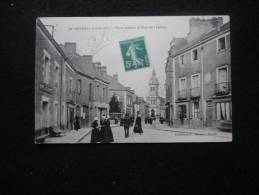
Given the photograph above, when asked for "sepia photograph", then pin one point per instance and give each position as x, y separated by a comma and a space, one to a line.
148, 79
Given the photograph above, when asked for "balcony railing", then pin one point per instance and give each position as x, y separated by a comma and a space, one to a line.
223, 88
195, 92
182, 94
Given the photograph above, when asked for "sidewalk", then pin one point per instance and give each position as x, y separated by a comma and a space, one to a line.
71, 136
205, 131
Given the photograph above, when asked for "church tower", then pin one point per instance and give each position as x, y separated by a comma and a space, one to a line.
153, 85
154, 98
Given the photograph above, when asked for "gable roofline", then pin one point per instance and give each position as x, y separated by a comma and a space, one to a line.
55, 44
203, 39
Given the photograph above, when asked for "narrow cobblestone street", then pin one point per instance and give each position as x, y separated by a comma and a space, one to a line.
163, 133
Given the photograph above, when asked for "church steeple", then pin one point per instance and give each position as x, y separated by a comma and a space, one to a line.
153, 80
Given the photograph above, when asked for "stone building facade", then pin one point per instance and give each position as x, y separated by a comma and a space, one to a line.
66, 85
198, 76
125, 95
50, 67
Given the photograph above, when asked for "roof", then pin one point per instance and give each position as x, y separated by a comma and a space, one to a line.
86, 67
202, 38
115, 85
52, 40
82, 66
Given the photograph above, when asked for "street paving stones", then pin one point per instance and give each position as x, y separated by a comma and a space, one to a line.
165, 134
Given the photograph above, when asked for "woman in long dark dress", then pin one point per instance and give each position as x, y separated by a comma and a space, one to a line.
77, 123
138, 126
107, 132
95, 134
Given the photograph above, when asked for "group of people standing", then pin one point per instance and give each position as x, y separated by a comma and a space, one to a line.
137, 127
149, 120
101, 133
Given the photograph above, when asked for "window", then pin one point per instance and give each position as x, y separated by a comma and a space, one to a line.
97, 91
195, 110
70, 85
56, 113
222, 79
56, 74
46, 70
222, 74
224, 111
104, 93
90, 91
195, 80
182, 83
182, 60
221, 44
79, 83
182, 111
194, 54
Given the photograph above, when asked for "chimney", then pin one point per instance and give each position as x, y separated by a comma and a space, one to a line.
97, 66
217, 22
115, 76
200, 26
70, 48
103, 70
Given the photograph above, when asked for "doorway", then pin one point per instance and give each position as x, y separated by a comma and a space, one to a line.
182, 113
70, 118
45, 110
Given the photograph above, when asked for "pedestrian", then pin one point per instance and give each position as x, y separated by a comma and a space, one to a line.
77, 123
106, 131
127, 122
138, 126
95, 134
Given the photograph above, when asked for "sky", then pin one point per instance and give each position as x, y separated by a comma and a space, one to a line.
100, 36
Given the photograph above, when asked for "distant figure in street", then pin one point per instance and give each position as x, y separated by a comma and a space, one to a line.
127, 122
106, 131
138, 126
96, 133
77, 123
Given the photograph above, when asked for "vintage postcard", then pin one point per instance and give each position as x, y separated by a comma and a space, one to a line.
159, 79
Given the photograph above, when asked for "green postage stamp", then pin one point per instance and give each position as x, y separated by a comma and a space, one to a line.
134, 54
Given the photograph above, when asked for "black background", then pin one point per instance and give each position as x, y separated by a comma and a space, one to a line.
211, 168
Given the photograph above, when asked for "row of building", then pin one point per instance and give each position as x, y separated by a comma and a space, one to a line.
198, 76
68, 85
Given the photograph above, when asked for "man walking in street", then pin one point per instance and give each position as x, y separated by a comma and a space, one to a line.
126, 124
